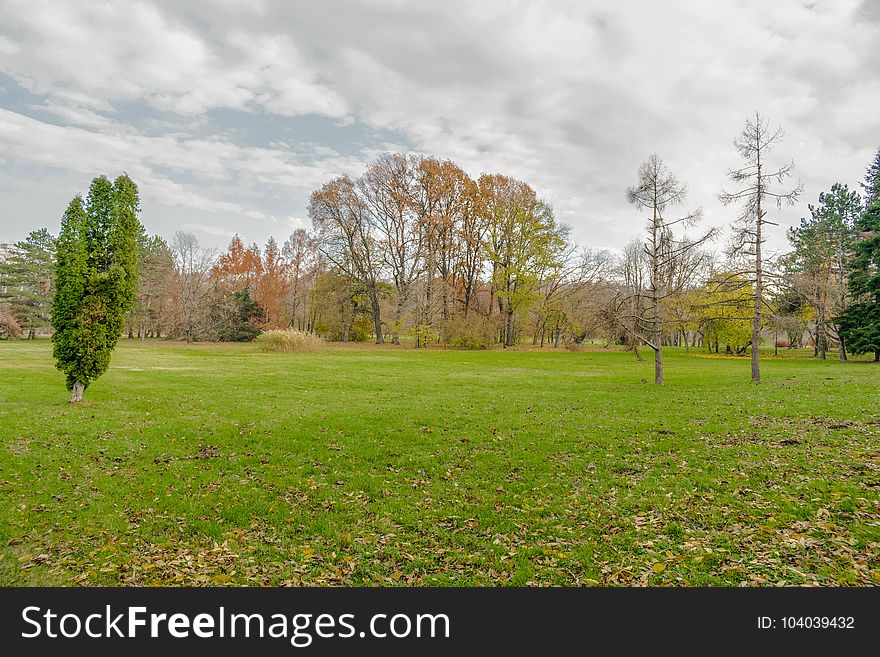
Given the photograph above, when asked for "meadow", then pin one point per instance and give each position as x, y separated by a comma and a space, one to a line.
218, 464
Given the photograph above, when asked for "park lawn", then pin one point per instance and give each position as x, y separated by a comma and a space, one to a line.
218, 464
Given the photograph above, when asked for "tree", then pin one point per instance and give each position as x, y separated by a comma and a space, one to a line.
155, 272
26, 281
446, 201
523, 238
388, 188
817, 266
96, 279
239, 268
871, 184
725, 304
190, 285
860, 322
757, 181
9, 328
342, 223
237, 316
656, 190
791, 313
271, 288
301, 255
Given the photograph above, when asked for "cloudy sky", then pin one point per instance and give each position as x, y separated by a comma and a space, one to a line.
227, 118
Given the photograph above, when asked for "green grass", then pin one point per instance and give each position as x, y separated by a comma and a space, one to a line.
216, 464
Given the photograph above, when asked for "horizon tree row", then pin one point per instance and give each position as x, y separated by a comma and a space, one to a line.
415, 247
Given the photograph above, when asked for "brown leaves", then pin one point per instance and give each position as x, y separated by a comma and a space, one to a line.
208, 452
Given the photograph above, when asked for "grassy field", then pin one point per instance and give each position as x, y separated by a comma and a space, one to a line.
216, 464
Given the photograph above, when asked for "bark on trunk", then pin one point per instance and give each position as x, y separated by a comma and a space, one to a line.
655, 338
377, 318
756, 323
821, 336
76, 394
398, 317
655, 296
508, 333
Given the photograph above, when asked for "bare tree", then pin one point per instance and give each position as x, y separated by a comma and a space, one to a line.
628, 309
670, 261
387, 187
345, 237
757, 182
190, 283
301, 254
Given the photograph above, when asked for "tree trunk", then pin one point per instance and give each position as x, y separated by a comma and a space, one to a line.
877, 355
655, 296
842, 344
76, 394
398, 317
655, 338
756, 322
377, 318
821, 335
508, 333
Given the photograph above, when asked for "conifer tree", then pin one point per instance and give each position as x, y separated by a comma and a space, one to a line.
871, 184
860, 323
95, 279
26, 281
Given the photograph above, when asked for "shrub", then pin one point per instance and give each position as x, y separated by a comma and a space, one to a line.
289, 341
471, 332
361, 328
424, 335
9, 328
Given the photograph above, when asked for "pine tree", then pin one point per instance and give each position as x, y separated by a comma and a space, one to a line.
95, 279
860, 323
871, 185
26, 281
817, 267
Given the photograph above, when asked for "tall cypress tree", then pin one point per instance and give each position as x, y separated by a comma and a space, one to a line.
95, 279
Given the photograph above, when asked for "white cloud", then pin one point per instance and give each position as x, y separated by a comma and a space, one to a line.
570, 96
215, 231
136, 52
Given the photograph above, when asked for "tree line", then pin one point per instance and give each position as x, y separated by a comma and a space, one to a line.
415, 249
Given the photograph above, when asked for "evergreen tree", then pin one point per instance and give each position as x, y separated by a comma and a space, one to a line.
871, 185
239, 323
95, 279
817, 267
26, 281
860, 323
